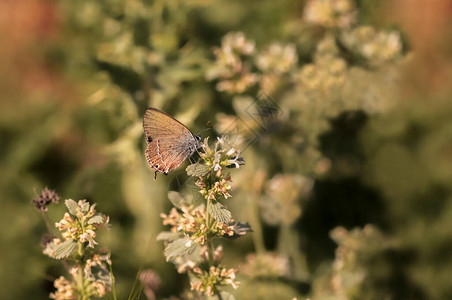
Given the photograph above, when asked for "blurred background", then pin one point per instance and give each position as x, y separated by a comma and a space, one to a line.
347, 183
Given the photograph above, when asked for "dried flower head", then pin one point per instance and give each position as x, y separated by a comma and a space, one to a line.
46, 197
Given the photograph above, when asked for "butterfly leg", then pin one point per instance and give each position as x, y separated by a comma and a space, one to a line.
155, 176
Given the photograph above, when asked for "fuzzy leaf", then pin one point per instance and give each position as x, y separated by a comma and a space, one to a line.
72, 206
85, 206
65, 249
197, 170
179, 247
168, 236
219, 212
96, 219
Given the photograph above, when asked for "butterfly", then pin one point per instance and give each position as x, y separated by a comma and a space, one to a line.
169, 142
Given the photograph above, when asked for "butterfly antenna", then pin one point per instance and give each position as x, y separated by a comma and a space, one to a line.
207, 127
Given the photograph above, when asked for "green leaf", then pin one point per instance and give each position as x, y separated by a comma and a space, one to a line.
197, 170
219, 212
96, 219
72, 206
168, 236
179, 247
65, 249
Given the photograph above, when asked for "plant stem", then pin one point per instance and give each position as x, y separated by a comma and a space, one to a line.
258, 238
50, 229
80, 283
208, 214
209, 239
47, 222
210, 248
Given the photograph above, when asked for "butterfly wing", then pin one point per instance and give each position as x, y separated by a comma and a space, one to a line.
169, 141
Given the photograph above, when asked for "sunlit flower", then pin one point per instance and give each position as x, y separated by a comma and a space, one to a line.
83, 227
193, 223
88, 236
266, 265
377, 47
277, 58
214, 277
186, 266
232, 68
330, 13
65, 290
328, 71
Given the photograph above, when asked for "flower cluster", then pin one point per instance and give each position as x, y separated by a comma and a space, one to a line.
349, 270
214, 277
330, 13
232, 65
66, 290
328, 72
376, 47
280, 204
46, 197
69, 290
215, 184
266, 265
192, 222
189, 244
85, 224
277, 58
88, 266
209, 276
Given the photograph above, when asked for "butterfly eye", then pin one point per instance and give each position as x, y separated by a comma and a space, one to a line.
197, 137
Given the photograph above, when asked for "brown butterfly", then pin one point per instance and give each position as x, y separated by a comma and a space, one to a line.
169, 142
